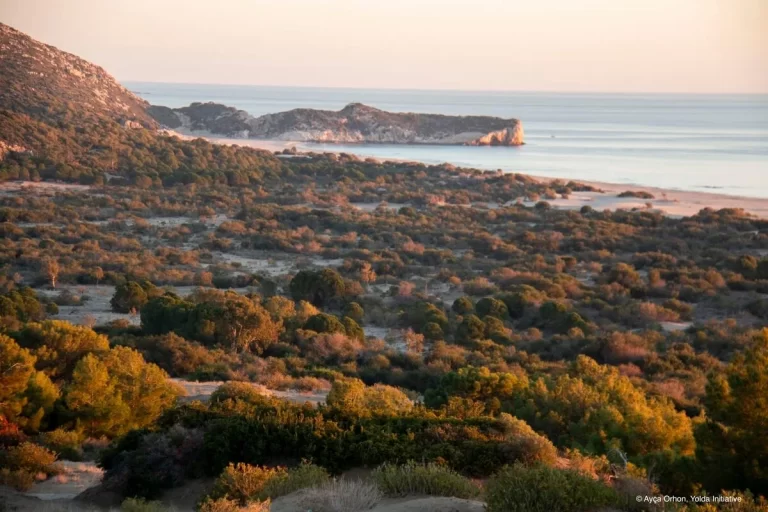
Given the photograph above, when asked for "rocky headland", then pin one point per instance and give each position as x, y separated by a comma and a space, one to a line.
355, 123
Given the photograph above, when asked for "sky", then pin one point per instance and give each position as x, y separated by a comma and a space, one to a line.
687, 46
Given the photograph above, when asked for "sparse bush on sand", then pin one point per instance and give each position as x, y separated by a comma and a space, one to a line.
341, 496
545, 489
413, 478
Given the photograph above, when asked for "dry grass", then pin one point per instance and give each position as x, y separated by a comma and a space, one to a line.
228, 505
341, 496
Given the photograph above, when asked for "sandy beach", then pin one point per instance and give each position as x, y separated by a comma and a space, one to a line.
674, 203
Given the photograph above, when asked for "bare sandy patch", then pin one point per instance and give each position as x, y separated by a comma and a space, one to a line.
203, 390
74, 479
12, 187
268, 145
96, 310
673, 203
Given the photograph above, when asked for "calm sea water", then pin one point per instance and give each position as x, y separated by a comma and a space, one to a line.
713, 143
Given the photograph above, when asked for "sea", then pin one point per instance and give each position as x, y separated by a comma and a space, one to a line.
692, 142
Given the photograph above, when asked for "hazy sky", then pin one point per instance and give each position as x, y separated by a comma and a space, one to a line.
555, 45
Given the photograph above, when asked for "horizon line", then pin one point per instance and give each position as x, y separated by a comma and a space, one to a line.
420, 89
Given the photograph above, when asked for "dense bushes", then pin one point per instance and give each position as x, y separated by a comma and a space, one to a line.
245, 483
131, 296
317, 287
213, 317
270, 430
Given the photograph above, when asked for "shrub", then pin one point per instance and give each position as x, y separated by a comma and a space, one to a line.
218, 505
544, 489
67, 443
129, 296
639, 194
29, 457
22, 463
141, 505
20, 480
244, 482
432, 479
227, 505
341, 496
301, 477
525, 443
144, 464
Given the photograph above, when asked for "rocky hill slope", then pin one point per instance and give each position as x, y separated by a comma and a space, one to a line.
44, 82
63, 118
355, 123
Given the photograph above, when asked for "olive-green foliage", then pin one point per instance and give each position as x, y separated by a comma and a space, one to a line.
67, 443
594, 407
432, 479
303, 476
323, 322
16, 368
131, 296
213, 317
336, 439
353, 329
470, 328
317, 287
228, 394
480, 384
519, 488
243, 482
491, 307
732, 442
59, 345
463, 305
353, 396
38, 402
141, 505
21, 304
354, 311
174, 354
115, 391
20, 464
421, 313
528, 446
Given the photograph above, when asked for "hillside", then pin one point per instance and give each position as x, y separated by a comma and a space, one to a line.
42, 81
355, 123
63, 118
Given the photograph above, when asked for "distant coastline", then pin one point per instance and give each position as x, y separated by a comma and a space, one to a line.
670, 202
699, 143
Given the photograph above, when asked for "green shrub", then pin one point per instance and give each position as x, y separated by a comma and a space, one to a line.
227, 505
19, 479
243, 482
301, 477
67, 443
544, 489
29, 457
142, 505
414, 478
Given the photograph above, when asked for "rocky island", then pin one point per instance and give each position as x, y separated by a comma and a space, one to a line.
355, 123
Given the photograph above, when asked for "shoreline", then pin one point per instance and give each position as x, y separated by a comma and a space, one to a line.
671, 202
